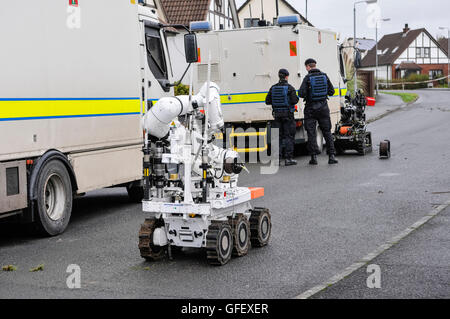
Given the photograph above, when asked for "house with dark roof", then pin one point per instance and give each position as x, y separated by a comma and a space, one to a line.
221, 13
254, 13
410, 51
444, 44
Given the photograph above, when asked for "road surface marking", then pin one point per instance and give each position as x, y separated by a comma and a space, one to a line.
390, 243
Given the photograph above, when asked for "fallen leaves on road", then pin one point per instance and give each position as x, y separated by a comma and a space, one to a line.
38, 268
9, 268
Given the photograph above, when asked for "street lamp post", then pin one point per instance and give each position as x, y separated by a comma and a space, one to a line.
376, 50
306, 9
448, 54
354, 37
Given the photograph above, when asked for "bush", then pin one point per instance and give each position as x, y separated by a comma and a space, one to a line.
410, 78
181, 89
351, 84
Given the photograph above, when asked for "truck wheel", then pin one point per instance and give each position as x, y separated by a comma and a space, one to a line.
54, 199
135, 193
219, 243
260, 226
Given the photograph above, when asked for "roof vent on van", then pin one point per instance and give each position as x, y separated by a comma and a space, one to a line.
198, 26
289, 20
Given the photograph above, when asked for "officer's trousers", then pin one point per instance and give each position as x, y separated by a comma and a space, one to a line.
321, 116
285, 122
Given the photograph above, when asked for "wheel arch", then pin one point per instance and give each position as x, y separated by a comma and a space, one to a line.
44, 159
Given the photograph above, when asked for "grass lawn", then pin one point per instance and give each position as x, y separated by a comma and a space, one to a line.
406, 97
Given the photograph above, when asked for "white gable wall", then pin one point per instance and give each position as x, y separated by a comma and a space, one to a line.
253, 9
425, 44
384, 72
220, 17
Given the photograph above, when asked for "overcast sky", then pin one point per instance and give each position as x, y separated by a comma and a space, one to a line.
337, 15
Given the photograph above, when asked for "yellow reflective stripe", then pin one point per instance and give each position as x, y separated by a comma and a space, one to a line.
243, 98
29, 108
259, 97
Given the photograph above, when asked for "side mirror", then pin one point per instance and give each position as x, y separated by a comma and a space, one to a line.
358, 60
190, 48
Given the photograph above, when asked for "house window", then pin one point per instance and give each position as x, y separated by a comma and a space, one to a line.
249, 23
423, 52
418, 52
434, 74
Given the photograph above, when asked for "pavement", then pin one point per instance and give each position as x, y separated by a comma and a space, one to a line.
324, 219
418, 267
385, 104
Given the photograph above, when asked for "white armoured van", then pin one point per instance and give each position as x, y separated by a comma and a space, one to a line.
245, 64
75, 78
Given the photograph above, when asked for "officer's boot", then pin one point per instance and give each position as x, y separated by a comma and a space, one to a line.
332, 159
290, 162
313, 160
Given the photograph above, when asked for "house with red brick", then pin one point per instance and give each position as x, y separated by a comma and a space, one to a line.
407, 52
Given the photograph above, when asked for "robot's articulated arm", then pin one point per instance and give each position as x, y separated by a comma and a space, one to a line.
158, 119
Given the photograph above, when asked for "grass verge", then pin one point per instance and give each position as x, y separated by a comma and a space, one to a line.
406, 97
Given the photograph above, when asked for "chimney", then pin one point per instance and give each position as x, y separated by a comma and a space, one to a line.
406, 29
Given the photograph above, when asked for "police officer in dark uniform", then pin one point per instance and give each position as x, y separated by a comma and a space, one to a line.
315, 89
283, 98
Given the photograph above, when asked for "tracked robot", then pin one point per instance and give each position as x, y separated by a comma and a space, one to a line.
351, 131
191, 193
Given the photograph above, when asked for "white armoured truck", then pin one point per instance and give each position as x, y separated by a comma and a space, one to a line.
75, 78
245, 64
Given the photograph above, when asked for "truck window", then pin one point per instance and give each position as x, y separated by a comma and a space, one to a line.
155, 54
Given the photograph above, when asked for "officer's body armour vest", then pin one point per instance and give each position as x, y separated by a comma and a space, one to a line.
319, 87
280, 99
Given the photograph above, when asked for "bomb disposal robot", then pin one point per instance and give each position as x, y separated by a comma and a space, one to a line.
191, 194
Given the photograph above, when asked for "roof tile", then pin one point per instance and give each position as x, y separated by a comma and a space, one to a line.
389, 43
185, 11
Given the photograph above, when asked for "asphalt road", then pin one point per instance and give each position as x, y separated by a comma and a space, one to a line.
324, 219
417, 267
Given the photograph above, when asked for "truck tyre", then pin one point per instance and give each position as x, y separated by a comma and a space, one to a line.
135, 193
54, 199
